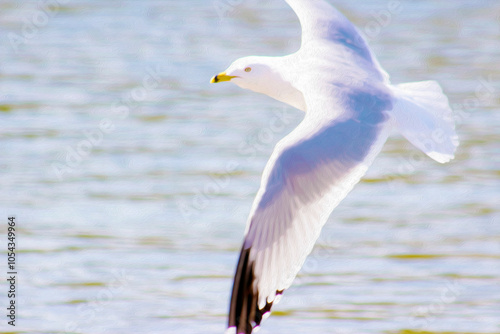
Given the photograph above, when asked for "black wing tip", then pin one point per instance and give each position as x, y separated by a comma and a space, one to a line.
244, 312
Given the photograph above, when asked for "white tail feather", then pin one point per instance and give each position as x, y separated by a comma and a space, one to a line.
422, 115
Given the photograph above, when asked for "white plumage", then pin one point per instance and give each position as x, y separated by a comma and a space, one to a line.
350, 108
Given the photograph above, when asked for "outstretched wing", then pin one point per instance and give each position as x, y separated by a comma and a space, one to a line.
310, 171
321, 21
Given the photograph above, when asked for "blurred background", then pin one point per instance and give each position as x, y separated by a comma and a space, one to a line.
131, 176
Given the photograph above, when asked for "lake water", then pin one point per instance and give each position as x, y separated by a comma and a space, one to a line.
131, 177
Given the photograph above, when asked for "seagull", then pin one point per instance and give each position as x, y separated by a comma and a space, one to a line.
350, 108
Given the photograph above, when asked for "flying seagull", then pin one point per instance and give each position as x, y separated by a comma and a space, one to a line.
350, 108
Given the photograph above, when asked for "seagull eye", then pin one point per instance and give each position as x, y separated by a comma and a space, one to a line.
248, 69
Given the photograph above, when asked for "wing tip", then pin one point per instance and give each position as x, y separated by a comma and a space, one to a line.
245, 315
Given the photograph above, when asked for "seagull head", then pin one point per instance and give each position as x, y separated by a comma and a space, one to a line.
248, 72
265, 75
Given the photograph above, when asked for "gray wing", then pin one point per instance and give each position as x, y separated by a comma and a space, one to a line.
320, 21
310, 171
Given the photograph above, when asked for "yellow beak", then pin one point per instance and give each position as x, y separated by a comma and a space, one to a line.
221, 77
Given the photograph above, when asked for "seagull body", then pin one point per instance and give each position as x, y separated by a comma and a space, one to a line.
350, 108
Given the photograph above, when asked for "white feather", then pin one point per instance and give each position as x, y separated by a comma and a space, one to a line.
422, 114
350, 108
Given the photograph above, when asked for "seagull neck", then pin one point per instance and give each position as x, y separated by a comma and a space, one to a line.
278, 83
